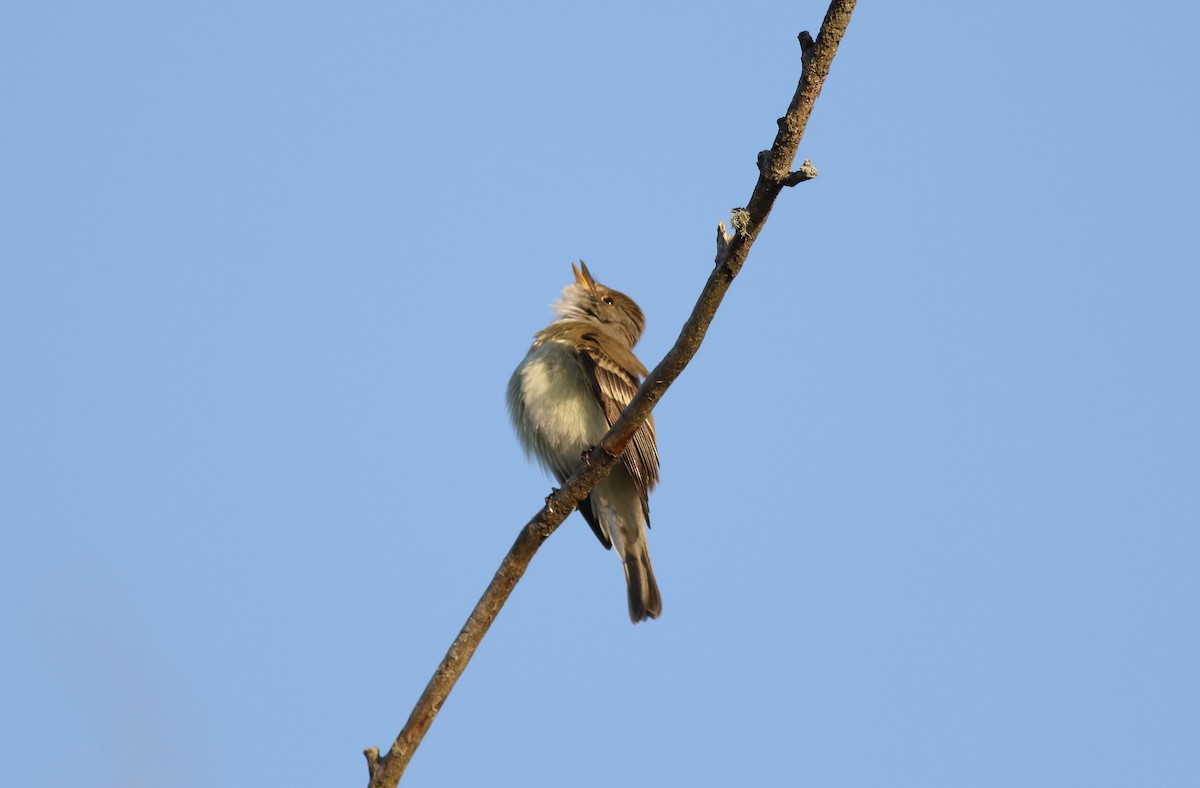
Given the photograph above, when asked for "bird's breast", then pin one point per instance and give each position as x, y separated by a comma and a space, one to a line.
553, 407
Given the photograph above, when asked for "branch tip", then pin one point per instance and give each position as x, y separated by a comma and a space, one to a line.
723, 239
373, 762
806, 173
806, 47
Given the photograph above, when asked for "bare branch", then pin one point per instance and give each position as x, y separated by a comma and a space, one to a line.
775, 173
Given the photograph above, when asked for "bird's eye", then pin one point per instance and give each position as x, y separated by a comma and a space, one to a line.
608, 300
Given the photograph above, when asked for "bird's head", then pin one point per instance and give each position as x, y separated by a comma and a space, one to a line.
613, 311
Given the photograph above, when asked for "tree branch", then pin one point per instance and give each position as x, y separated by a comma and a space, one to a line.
774, 173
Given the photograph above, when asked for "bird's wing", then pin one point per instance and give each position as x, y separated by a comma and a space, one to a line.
615, 379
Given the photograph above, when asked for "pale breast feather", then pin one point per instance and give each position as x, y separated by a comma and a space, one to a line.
559, 417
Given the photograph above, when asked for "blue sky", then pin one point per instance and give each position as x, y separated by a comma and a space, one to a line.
928, 512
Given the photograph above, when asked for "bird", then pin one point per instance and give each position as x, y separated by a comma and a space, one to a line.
572, 385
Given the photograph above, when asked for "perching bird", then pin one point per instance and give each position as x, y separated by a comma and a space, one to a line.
573, 384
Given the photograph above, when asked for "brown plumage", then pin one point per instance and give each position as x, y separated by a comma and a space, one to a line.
571, 387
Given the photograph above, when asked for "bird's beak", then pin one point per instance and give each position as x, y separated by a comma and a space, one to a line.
584, 278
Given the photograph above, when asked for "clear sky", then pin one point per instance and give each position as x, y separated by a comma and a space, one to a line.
929, 510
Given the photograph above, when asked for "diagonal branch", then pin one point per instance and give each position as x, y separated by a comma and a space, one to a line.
774, 174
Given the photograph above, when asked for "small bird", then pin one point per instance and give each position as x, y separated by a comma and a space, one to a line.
563, 397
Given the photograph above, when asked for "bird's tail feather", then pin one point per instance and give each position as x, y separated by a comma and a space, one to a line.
644, 599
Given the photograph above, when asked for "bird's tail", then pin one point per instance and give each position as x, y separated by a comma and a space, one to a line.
617, 506
644, 599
